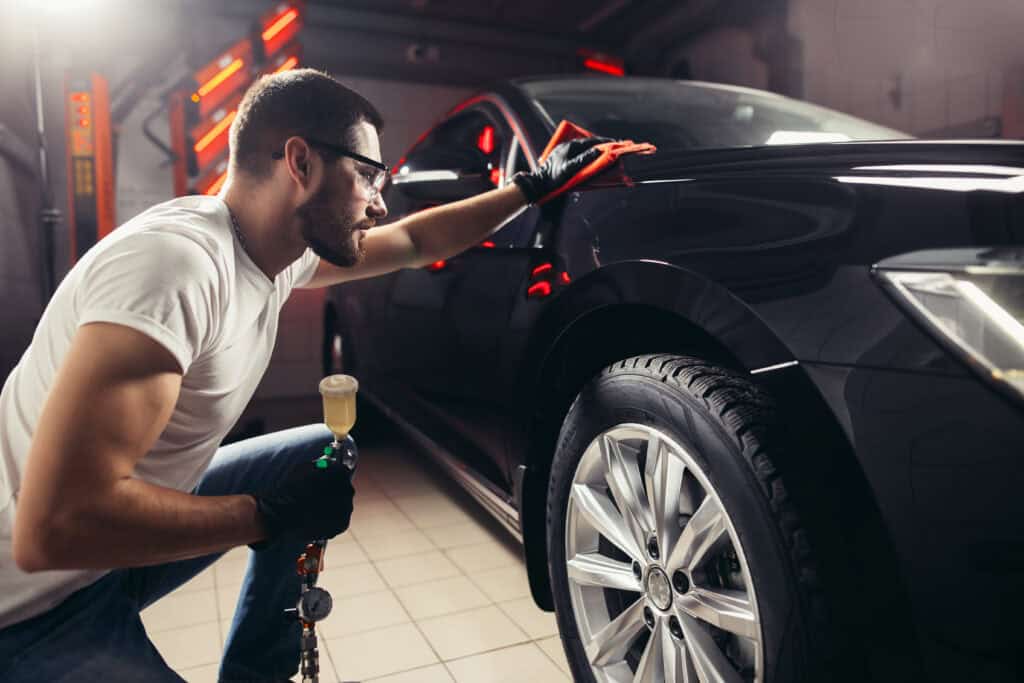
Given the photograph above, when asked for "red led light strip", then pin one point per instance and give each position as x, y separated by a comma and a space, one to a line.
604, 67
221, 76
279, 25
215, 132
539, 289
289, 63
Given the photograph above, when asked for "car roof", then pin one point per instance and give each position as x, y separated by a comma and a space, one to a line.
606, 83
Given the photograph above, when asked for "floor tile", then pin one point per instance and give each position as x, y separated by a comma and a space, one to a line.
407, 571
451, 536
344, 554
435, 598
503, 584
379, 652
225, 626
508, 665
428, 674
432, 511
237, 553
227, 599
370, 525
356, 579
201, 674
185, 648
483, 556
178, 610
229, 571
553, 649
201, 581
467, 633
361, 613
385, 546
536, 622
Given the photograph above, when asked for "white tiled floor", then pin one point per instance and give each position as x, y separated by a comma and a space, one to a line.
427, 588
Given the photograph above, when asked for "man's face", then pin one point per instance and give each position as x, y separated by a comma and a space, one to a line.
335, 219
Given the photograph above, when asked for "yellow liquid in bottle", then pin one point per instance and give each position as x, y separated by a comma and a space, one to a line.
340, 413
339, 394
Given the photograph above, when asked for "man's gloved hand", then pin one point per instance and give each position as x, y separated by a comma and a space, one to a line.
313, 502
565, 161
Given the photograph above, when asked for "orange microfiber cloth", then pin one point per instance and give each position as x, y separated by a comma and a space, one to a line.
611, 152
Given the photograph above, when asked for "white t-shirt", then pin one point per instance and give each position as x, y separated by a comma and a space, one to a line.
177, 274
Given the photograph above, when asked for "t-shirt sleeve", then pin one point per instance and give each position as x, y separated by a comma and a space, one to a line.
162, 284
304, 268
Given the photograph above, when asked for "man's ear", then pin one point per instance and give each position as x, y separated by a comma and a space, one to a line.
298, 157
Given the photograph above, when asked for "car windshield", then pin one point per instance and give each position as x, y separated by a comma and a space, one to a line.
678, 114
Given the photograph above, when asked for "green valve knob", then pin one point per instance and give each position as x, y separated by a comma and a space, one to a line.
328, 450
322, 464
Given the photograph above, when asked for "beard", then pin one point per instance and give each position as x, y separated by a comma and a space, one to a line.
331, 237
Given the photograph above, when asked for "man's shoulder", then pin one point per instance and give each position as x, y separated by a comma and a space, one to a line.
183, 228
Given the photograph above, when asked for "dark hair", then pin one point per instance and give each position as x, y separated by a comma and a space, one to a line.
303, 102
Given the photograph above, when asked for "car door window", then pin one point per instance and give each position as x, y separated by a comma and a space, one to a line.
475, 138
470, 140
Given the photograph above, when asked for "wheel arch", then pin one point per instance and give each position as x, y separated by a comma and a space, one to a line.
681, 313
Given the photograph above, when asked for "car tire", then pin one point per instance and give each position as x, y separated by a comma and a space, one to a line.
696, 441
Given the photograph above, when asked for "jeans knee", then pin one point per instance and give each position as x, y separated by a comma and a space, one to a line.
307, 440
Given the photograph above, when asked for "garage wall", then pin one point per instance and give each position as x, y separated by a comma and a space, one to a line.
21, 280
918, 65
726, 54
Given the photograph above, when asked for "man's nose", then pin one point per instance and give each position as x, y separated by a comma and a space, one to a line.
377, 208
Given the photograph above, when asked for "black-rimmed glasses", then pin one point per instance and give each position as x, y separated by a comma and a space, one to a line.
375, 178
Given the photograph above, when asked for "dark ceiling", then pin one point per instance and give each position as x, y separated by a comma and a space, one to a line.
472, 42
604, 22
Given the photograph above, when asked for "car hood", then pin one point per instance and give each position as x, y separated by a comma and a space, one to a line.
979, 159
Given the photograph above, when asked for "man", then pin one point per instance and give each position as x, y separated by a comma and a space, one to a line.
113, 491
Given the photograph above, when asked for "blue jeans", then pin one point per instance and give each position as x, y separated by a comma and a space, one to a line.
96, 633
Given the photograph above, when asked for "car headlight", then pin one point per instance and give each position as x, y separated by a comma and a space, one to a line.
973, 300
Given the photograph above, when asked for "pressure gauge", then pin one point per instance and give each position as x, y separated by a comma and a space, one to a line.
315, 604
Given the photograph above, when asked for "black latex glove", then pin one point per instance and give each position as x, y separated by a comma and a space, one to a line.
564, 162
314, 501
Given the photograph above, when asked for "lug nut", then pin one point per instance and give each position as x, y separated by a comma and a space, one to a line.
652, 547
637, 570
680, 582
674, 628
648, 617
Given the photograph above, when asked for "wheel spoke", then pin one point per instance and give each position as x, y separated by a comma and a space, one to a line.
623, 477
705, 531
605, 519
709, 662
728, 610
672, 657
650, 669
594, 569
611, 643
663, 477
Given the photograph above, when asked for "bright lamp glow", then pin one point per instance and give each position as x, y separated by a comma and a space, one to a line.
804, 137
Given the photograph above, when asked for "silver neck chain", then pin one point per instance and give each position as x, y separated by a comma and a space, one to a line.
238, 230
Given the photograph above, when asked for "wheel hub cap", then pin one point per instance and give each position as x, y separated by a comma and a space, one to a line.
659, 589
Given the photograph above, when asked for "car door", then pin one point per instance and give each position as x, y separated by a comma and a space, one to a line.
447, 325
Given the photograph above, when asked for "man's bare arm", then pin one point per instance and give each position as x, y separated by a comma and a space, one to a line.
427, 236
79, 507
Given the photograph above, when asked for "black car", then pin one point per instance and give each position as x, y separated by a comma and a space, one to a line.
754, 405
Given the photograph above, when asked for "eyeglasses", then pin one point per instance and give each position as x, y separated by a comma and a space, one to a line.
374, 178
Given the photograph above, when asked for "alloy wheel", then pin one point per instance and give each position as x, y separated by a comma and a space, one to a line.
658, 582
